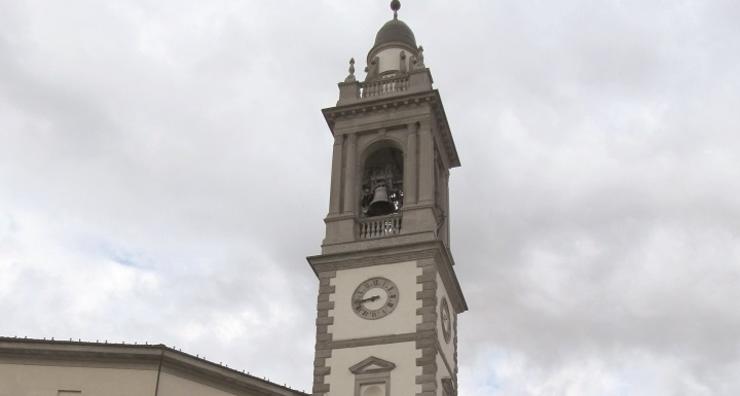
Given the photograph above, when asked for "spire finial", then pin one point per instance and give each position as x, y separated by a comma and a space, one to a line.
351, 76
395, 6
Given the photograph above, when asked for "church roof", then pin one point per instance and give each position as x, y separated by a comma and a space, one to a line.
80, 353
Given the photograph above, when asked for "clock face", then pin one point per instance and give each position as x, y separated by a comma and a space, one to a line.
375, 298
444, 314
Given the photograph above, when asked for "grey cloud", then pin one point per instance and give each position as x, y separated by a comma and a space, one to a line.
168, 164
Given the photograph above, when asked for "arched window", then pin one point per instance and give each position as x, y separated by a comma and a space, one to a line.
374, 390
382, 182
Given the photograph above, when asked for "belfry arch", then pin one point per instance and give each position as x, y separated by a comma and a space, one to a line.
381, 181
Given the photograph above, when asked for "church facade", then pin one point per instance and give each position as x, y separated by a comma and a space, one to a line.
388, 297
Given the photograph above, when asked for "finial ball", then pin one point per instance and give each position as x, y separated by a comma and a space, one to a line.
395, 5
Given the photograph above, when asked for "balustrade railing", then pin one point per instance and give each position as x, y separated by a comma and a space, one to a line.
385, 86
377, 227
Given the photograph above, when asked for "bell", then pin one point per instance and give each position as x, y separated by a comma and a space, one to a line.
380, 204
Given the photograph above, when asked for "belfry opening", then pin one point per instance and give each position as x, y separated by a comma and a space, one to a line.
382, 182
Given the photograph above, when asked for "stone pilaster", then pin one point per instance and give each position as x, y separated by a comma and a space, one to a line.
411, 166
350, 165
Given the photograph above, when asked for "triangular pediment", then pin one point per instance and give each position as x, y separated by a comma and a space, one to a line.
372, 365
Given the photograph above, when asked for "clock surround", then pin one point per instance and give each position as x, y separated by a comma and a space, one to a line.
445, 319
375, 298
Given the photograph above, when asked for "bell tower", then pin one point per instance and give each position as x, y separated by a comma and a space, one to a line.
388, 298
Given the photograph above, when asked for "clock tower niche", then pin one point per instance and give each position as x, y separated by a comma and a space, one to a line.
389, 298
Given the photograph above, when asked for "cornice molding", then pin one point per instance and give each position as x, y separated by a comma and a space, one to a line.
432, 97
397, 254
378, 340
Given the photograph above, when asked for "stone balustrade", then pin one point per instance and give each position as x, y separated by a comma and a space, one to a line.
352, 91
384, 86
378, 227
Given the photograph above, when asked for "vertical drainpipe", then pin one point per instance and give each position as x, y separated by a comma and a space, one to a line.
159, 372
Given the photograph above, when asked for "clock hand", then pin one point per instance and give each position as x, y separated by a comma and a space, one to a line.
373, 298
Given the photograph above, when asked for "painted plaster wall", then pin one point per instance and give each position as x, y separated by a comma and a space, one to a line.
403, 377
390, 59
171, 385
447, 349
43, 380
347, 325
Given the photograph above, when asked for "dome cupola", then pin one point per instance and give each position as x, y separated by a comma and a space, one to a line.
394, 48
396, 32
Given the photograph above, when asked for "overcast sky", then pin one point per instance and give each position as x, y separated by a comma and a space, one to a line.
164, 172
